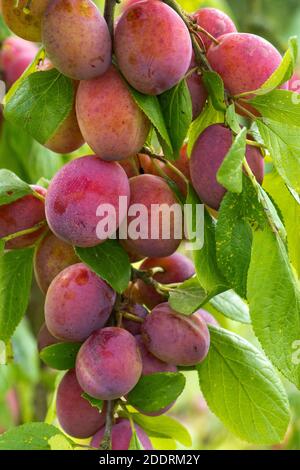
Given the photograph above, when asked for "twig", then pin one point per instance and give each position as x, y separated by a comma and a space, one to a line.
106, 443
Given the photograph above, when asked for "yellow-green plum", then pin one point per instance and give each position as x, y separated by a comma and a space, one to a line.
78, 302
153, 46
76, 38
24, 19
110, 120
109, 364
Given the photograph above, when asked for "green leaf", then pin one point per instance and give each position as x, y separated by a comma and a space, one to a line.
215, 87
274, 297
243, 390
230, 173
156, 391
188, 297
208, 117
41, 103
135, 443
283, 73
30, 436
231, 306
60, 356
162, 427
176, 106
110, 261
12, 187
282, 141
232, 119
151, 107
279, 105
60, 442
93, 401
2, 245
290, 210
15, 284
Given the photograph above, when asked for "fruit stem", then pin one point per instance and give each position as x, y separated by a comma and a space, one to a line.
106, 443
38, 196
246, 111
130, 316
203, 31
148, 152
147, 279
199, 54
109, 11
21, 233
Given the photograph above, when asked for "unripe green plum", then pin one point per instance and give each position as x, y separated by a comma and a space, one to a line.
52, 256
149, 191
121, 436
20, 215
76, 415
45, 338
215, 22
153, 47
244, 61
207, 156
110, 121
109, 364
76, 38
174, 338
172, 269
15, 56
75, 194
23, 21
78, 302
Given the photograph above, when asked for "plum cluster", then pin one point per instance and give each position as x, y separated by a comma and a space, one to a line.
122, 337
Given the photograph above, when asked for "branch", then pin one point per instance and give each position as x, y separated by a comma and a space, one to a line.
109, 11
106, 443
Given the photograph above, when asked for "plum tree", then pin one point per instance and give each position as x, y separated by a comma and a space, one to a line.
76, 415
130, 325
215, 22
244, 61
147, 193
78, 302
45, 338
121, 436
79, 56
171, 269
151, 364
207, 156
75, 194
109, 363
15, 56
24, 21
174, 338
52, 255
207, 317
153, 47
110, 121
20, 215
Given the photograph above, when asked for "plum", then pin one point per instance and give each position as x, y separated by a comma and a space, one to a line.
215, 22
77, 193
110, 121
78, 302
153, 47
207, 156
15, 56
121, 436
109, 364
76, 415
174, 338
23, 21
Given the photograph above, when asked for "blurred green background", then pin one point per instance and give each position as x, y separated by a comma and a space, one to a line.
26, 387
